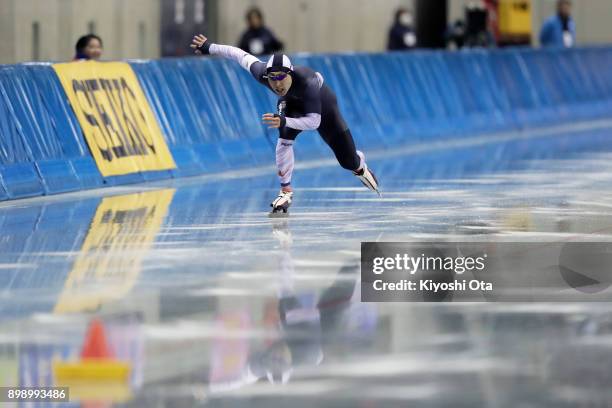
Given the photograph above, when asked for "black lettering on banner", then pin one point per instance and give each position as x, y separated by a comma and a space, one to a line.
137, 114
92, 86
132, 130
108, 88
522, 6
108, 126
86, 108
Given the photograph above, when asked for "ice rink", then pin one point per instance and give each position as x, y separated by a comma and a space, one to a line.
215, 304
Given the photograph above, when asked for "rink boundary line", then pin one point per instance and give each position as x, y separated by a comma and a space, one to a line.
437, 145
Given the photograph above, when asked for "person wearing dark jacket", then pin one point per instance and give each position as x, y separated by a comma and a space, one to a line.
258, 39
401, 34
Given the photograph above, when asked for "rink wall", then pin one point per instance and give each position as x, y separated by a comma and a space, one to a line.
207, 112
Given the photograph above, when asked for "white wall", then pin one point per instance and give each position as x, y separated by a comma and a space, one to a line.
62, 22
316, 25
7, 31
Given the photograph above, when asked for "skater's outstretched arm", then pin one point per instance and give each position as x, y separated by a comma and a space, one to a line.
257, 68
311, 98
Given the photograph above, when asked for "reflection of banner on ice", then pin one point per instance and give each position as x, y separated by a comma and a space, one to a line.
8, 366
117, 121
110, 260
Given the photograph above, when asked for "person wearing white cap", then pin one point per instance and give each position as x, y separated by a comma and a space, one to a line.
305, 103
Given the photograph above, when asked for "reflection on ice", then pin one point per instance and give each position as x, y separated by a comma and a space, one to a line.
304, 326
226, 307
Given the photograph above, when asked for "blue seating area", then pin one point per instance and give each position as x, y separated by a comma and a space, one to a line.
209, 109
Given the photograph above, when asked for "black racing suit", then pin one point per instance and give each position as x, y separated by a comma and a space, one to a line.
309, 94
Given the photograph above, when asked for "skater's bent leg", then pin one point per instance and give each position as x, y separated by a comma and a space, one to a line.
338, 137
343, 146
336, 134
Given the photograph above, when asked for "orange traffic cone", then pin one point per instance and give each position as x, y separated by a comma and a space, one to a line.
97, 365
95, 345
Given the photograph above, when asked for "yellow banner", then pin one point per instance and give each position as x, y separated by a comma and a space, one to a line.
110, 260
117, 121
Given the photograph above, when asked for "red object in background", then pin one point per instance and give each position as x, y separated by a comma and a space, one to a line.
491, 6
95, 345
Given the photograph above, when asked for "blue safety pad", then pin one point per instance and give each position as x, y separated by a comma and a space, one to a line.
157, 175
211, 157
131, 178
3, 193
40, 134
187, 161
58, 176
21, 180
87, 172
63, 120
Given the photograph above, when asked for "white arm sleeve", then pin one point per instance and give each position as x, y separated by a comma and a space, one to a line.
311, 121
227, 51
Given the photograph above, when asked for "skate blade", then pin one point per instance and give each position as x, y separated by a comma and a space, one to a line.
377, 191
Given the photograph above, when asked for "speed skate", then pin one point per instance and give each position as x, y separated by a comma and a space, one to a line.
368, 179
281, 204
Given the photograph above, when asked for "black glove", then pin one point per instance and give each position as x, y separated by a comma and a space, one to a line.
282, 119
205, 48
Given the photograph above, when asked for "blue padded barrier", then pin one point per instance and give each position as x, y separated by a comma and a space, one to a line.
65, 124
87, 172
41, 137
187, 161
233, 121
175, 113
209, 111
57, 175
205, 113
211, 156
3, 194
21, 180
67, 131
388, 100
34, 125
157, 175
131, 178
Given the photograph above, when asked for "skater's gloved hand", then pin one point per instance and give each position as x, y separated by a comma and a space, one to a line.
273, 120
197, 43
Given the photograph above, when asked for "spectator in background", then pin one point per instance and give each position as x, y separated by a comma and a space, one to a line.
401, 34
559, 30
455, 36
88, 47
477, 32
258, 39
